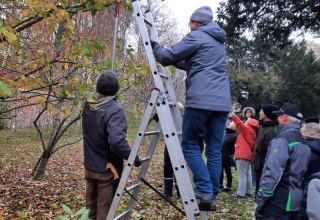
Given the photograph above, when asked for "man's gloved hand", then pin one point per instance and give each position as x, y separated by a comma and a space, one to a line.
153, 43
138, 161
257, 211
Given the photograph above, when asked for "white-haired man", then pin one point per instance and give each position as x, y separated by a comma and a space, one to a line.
288, 156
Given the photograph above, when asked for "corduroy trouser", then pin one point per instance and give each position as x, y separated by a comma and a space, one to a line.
99, 193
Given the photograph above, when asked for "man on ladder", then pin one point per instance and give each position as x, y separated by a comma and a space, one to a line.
202, 54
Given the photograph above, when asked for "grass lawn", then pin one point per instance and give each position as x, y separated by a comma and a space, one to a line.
22, 198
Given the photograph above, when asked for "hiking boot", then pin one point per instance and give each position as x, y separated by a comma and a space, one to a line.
207, 206
168, 185
167, 195
203, 197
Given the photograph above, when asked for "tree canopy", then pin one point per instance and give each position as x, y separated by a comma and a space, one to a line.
271, 20
52, 52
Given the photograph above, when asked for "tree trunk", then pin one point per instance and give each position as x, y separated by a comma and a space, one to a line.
42, 166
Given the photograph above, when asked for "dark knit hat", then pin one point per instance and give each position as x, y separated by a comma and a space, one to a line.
291, 110
108, 84
203, 15
268, 109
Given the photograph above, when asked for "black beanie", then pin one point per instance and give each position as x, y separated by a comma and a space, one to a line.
268, 109
108, 84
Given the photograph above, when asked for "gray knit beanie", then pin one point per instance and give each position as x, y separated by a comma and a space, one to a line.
107, 84
203, 15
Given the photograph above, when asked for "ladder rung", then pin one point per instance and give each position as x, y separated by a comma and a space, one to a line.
151, 133
122, 214
145, 158
164, 76
147, 21
172, 103
129, 188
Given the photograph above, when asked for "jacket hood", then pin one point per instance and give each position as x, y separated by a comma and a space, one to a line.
253, 123
314, 144
289, 127
251, 109
98, 100
214, 31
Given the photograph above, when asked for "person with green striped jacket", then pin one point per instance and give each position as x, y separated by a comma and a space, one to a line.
287, 160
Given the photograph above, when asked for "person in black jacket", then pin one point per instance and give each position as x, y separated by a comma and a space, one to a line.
311, 132
105, 146
227, 152
267, 132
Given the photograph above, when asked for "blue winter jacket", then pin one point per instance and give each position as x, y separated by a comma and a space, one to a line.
202, 55
285, 166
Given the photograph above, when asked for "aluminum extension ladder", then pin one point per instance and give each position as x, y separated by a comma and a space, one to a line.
164, 100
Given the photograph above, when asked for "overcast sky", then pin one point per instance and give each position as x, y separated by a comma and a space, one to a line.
184, 8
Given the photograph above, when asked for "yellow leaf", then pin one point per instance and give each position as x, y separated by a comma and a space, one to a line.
91, 100
50, 107
62, 14
30, 2
40, 100
66, 67
71, 24
25, 12
54, 205
22, 214
47, 67
89, 81
11, 37
50, 6
136, 106
67, 111
25, 98
87, 61
40, 51
55, 112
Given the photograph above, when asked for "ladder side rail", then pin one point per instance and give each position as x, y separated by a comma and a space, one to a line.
151, 59
177, 159
134, 151
168, 82
144, 169
147, 46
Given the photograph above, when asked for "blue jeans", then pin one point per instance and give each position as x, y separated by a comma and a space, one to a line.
211, 123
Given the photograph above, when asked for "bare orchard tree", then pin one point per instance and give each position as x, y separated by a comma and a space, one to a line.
50, 145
